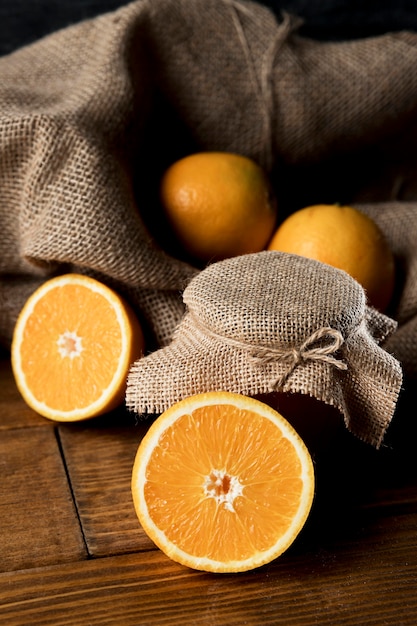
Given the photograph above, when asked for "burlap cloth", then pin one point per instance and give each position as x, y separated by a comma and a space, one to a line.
91, 115
251, 329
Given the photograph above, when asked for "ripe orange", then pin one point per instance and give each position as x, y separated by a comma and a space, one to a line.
73, 344
222, 482
345, 238
218, 205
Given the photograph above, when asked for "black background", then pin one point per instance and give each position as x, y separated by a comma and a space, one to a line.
25, 21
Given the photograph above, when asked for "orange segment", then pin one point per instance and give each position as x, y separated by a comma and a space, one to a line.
72, 347
222, 482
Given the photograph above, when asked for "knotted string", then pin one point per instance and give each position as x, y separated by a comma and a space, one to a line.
262, 79
307, 351
329, 339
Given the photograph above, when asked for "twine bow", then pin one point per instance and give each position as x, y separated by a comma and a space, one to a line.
308, 351
312, 349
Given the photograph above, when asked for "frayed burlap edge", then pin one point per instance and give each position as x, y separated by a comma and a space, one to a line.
352, 373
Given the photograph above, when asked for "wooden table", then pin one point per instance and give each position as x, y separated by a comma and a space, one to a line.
72, 551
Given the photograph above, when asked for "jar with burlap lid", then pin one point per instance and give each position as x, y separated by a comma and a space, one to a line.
273, 321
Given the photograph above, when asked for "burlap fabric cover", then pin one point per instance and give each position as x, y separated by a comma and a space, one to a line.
398, 220
250, 328
90, 116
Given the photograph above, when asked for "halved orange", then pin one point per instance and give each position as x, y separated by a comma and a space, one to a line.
72, 347
222, 482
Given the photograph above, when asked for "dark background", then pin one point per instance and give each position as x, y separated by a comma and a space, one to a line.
24, 21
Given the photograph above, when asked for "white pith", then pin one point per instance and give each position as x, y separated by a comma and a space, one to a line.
69, 344
223, 488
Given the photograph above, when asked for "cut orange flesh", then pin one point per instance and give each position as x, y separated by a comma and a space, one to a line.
222, 482
72, 348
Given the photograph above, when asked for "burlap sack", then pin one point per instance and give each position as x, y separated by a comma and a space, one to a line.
398, 221
91, 115
269, 322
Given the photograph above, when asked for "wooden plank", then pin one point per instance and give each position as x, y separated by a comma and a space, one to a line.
366, 577
38, 521
14, 412
99, 458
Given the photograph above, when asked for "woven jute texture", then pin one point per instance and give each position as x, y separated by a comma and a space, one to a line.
269, 322
398, 221
91, 115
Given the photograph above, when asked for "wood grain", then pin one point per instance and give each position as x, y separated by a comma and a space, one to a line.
368, 580
72, 552
38, 522
100, 461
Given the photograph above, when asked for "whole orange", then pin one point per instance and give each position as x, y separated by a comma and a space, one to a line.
346, 238
218, 205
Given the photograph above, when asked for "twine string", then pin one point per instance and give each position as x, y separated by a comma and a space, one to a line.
263, 83
321, 346
307, 351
